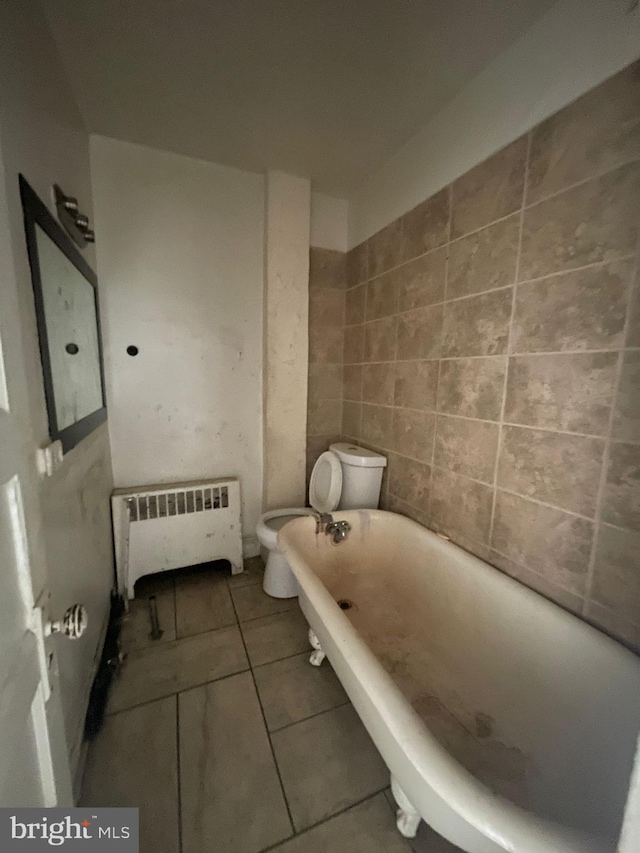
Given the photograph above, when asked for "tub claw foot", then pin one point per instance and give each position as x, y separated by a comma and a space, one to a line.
407, 818
316, 657
407, 823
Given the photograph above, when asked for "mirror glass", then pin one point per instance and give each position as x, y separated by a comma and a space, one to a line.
72, 332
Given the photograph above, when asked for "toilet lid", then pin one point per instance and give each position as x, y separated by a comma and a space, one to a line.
325, 486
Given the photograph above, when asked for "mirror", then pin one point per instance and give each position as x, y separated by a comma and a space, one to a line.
65, 292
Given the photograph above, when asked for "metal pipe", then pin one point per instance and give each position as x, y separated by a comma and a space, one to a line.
156, 633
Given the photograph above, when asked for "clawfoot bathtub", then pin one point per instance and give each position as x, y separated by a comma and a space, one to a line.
506, 723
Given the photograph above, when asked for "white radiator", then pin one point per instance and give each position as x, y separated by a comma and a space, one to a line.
156, 528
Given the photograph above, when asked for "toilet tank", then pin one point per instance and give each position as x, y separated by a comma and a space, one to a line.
361, 476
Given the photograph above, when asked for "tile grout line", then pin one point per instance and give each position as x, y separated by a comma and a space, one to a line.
467, 296
628, 256
266, 615
515, 424
364, 314
509, 346
394, 369
435, 419
521, 354
274, 847
343, 328
266, 728
179, 773
602, 484
311, 716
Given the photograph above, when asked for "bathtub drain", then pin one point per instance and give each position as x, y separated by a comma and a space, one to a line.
344, 604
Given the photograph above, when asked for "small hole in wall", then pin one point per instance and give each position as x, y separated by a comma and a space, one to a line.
72, 349
132, 350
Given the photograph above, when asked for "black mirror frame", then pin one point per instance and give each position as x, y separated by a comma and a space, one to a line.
35, 212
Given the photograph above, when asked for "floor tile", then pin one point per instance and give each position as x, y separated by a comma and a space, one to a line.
203, 602
427, 840
252, 602
292, 690
366, 828
231, 796
327, 763
253, 573
133, 762
135, 628
170, 667
275, 637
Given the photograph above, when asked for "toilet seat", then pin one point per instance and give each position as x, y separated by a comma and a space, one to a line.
325, 485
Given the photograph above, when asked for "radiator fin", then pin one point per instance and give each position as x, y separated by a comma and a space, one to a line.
147, 507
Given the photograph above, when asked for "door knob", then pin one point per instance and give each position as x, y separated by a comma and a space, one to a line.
73, 624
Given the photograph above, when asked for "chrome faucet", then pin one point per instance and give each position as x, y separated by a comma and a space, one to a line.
337, 530
322, 520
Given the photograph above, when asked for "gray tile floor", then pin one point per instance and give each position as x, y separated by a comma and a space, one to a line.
228, 740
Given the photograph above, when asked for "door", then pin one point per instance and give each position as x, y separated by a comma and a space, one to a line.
34, 767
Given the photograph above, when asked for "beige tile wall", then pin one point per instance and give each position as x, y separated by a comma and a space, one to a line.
492, 351
327, 284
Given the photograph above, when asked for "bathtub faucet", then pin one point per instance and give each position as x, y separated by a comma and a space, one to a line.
337, 530
322, 520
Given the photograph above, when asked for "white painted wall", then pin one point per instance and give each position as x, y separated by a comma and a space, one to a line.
329, 222
574, 47
67, 515
180, 261
286, 339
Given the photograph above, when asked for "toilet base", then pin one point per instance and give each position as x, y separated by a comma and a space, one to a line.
279, 580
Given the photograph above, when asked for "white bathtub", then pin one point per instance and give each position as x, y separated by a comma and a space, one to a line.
508, 723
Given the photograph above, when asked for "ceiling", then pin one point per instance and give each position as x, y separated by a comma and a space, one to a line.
327, 89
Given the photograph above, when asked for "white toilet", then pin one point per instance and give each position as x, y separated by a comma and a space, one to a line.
344, 477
